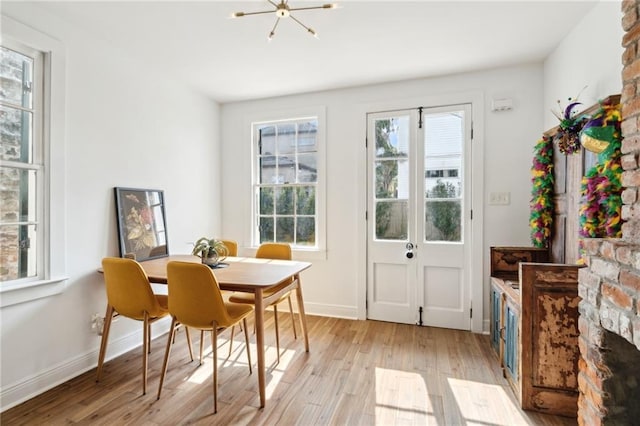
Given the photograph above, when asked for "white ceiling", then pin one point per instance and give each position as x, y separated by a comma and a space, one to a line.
361, 42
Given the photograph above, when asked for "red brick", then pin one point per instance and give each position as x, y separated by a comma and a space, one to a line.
630, 281
591, 245
629, 196
592, 394
607, 250
629, 18
629, 161
632, 35
623, 255
630, 143
585, 369
617, 296
631, 178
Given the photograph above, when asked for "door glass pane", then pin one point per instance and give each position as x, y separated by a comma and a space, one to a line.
17, 135
442, 220
391, 220
392, 179
443, 173
392, 137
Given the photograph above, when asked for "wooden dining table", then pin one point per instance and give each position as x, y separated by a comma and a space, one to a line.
249, 275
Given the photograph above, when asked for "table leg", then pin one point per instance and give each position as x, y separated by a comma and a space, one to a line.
303, 317
259, 314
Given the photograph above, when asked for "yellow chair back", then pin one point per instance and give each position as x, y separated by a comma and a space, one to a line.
194, 296
232, 247
128, 289
280, 251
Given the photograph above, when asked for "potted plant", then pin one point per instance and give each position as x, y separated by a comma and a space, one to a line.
210, 250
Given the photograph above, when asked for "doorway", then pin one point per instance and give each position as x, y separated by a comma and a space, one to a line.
419, 216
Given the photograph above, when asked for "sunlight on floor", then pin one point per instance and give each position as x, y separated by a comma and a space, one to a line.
238, 358
484, 404
402, 396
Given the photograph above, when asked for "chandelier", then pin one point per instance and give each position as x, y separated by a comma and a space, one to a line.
282, 10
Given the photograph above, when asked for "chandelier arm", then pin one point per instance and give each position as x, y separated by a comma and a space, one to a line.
309, 30
273, 30
241, 14
273, 4
307, 8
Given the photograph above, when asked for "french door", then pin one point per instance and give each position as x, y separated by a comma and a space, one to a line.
418, 216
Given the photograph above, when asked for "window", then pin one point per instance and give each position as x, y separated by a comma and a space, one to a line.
287, 182
21, 156
32, 225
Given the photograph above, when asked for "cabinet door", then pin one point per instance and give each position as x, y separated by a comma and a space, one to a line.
511, 341
496, 298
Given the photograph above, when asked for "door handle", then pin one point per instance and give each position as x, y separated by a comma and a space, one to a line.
409, 252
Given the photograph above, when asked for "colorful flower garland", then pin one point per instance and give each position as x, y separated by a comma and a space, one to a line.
541, 217
601, 188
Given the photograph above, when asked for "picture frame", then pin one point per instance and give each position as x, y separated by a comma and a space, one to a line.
142, 223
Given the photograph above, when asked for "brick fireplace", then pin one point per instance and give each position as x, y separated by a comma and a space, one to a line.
609, 323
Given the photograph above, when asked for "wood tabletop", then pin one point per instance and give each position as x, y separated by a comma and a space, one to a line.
242, 274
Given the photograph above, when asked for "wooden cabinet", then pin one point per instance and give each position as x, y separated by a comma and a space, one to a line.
534, 332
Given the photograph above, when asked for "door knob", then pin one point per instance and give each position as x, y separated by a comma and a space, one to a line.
409, 252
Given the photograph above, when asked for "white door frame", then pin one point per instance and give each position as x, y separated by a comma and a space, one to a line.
476, 99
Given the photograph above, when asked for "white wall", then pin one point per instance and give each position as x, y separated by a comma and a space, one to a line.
335, 285
125, 126
591, 55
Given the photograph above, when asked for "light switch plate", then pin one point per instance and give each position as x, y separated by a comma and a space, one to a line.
499, 198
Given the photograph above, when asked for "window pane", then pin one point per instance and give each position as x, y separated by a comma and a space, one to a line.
392, 179
266, 229
19, 250
16, 73
284, 200
286, 139
286, 169
16, 134
391, 220
18, 195
306, 200
266, 140
443, 140
267, 169
284, 229
442, 221
392, 137
266, 201
307, 168
305, 231
307, 132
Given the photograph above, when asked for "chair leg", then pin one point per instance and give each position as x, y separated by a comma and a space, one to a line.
201, 345
246, 340
293, 318
108, 316
214, 343
275, 318
233, 329
186, 330
149, 338
167, 351
145, 351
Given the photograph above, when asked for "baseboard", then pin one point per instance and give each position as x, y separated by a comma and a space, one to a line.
17, 393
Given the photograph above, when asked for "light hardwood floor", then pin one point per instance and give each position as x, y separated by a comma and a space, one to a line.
356, 373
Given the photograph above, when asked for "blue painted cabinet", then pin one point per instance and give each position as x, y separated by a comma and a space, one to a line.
496, 315
511, 342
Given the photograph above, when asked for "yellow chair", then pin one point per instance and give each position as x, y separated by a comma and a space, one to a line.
272, 251
232, 247
195, 301
129, 294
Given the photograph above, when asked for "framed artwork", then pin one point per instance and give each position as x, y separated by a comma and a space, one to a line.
142, 225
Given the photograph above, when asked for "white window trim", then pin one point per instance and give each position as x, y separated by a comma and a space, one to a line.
54, 276
319, 252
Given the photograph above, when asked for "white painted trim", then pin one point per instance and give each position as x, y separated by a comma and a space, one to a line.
476, 99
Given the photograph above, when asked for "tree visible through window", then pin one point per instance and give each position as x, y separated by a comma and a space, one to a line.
286, 181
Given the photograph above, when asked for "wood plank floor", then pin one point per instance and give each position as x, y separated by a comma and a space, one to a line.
356, 373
